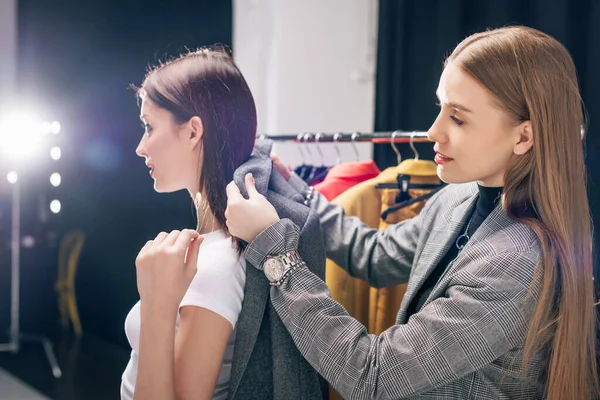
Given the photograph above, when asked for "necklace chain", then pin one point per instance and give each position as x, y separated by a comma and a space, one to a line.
462, 240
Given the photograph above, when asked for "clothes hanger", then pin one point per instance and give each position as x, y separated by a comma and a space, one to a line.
302, 168
412, 146
409, 202
403, 180
318, 173
310, 167
403, 183
392, 142
322, 171
336, 137
353, 138
399, 160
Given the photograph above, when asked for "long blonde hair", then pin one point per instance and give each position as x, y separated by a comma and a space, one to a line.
534, 78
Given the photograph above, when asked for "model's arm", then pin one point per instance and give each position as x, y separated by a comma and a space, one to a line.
185, 363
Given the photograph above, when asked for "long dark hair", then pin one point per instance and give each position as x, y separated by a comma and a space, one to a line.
207, 83
534, 78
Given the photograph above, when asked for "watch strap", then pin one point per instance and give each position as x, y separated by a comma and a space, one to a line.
291, 261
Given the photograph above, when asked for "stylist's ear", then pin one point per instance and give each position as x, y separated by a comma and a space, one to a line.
523, 138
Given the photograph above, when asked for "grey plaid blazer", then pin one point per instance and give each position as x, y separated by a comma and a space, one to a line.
467, 340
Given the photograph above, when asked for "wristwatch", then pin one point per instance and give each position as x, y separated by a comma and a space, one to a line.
278, 267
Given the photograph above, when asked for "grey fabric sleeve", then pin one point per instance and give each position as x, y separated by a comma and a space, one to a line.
382, 258
483, 316
454, 336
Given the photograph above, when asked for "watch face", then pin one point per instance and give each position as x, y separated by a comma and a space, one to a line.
274, 269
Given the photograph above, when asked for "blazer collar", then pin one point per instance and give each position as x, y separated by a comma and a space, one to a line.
439, 242
256, 292
260, 165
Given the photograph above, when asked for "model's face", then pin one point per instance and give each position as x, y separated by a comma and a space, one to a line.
169, 149
476, 140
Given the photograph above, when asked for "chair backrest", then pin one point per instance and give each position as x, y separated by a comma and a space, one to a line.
68, 255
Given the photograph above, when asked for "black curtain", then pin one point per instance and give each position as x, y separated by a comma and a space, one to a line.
416, 35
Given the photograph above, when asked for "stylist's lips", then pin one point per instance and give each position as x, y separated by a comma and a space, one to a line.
441, 158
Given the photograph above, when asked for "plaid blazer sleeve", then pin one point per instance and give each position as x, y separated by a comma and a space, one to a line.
382, 258
482, 316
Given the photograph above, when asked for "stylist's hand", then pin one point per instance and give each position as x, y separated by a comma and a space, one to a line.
283, 169
165, 268
247, 218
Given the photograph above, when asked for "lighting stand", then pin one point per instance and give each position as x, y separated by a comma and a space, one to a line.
16, 337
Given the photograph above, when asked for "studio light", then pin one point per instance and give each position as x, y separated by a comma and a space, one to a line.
12, 177
55, 153
20, 134
55, 127
55, 179
25, 142
55, 206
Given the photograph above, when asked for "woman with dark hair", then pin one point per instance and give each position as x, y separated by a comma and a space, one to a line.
201, 334
500, 301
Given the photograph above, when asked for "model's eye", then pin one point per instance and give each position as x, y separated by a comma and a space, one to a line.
146, 127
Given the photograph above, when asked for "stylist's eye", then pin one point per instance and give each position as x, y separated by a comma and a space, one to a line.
456, 120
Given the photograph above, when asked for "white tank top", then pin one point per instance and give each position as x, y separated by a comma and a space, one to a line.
218, 286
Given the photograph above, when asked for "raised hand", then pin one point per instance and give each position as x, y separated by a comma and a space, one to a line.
247, 218
165, 268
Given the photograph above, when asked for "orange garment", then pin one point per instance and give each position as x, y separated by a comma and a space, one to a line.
342, 177
376, 308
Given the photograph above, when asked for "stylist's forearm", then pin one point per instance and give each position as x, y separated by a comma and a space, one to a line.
155, 378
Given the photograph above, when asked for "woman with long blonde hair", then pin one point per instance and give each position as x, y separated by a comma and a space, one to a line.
500, 302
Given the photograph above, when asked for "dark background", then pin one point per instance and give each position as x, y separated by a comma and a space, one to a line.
82, 56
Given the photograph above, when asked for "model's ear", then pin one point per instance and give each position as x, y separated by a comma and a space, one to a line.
196, 130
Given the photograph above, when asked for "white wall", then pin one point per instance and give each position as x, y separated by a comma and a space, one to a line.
311, 67
8, 51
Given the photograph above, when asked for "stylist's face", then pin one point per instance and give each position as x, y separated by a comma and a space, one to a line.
474, 136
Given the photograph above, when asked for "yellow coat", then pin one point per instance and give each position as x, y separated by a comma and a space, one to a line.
376, 308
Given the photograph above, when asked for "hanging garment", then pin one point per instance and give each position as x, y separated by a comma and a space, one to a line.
376, 308
344, 176
384, 303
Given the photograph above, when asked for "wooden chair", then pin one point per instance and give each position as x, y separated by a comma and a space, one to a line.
68, 257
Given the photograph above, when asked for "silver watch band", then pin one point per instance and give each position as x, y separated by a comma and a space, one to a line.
290, 258
286, 274
292, 261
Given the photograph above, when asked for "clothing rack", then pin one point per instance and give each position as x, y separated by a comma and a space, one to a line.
374, 137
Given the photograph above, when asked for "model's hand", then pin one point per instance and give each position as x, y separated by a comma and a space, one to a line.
165, 268
247, 218
283, 169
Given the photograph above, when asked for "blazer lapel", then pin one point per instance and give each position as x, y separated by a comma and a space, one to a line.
437, 245
256, 291
256, 295
495, 222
